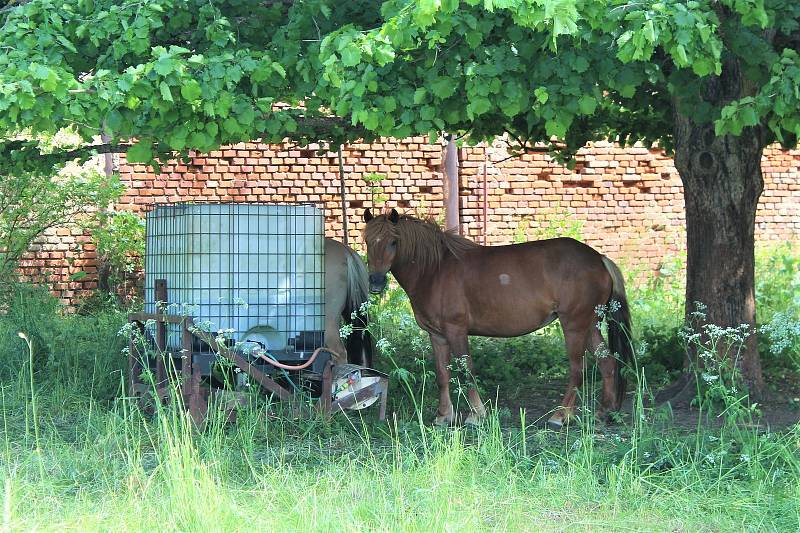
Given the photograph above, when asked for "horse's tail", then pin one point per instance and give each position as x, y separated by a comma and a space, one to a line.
359, 343
619, 324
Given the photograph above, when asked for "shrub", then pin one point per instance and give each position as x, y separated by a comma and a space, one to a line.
119, 240
82, 352
778, 307
33, 202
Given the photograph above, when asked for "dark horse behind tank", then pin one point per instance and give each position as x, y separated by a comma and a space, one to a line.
459, 288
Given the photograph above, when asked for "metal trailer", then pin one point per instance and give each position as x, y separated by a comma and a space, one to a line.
244, 283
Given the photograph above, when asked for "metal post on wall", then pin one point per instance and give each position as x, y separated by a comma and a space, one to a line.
485, 199
343, 191
451, 182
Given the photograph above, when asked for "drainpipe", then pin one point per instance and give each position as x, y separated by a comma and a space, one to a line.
485, 200
343, 192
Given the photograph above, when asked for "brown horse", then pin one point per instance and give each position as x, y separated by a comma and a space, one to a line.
458, 288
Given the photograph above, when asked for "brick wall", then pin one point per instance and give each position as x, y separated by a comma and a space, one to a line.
628, 203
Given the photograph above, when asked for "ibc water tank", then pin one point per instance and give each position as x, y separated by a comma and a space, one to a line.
253, 271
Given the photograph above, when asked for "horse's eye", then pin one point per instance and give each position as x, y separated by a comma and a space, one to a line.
393, 244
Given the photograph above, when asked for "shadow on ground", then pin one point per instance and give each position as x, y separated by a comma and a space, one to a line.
779, 409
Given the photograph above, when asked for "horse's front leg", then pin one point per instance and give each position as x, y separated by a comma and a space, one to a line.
441, 358
459, 345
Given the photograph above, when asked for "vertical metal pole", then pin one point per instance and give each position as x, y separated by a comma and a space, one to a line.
485, 201
384, 396
161, 340
134, 360
451, 200
187, 367
343, 191
327, 389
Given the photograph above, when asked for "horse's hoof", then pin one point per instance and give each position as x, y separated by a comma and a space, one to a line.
555, 424
443, 421
446, 419
474, 420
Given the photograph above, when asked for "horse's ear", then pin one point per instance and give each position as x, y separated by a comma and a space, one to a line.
368, 215
394, 216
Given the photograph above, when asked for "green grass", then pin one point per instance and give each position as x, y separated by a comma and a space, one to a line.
88, 465
86, 459
106, 467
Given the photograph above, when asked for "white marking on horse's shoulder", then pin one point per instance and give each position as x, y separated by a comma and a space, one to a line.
505, 279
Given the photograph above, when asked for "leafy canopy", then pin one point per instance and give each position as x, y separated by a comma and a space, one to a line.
178, 75
569, 70
173, 75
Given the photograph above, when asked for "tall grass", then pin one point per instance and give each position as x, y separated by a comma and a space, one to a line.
86, 458
119, 470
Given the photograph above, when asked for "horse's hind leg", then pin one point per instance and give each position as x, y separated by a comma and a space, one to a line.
609, 400
334, 341
575, 335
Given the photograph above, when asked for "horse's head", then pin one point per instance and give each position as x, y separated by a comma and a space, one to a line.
380, 236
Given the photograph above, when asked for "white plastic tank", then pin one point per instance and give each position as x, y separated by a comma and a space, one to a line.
253, 271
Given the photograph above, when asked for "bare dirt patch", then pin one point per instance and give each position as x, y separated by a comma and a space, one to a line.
779, 409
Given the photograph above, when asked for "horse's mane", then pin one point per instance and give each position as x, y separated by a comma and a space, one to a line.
420, 241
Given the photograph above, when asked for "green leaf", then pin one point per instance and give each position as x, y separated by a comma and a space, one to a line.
389, 104
165, 65
581, 65
191, 91
177, 138
555, 128
166, 94
247, 114
198, 140
40, 72
26, 100
351, 55
680, 54
473, 38
78, 276
587, 104
67, 44
141, 152
125, 83
113, 120
371, 123
748, 115
541, 95
478, 106
419, 95
231, 126
51, 83
279, 69
444, 87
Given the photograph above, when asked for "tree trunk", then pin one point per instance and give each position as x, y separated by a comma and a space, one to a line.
722, 182
103, 273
